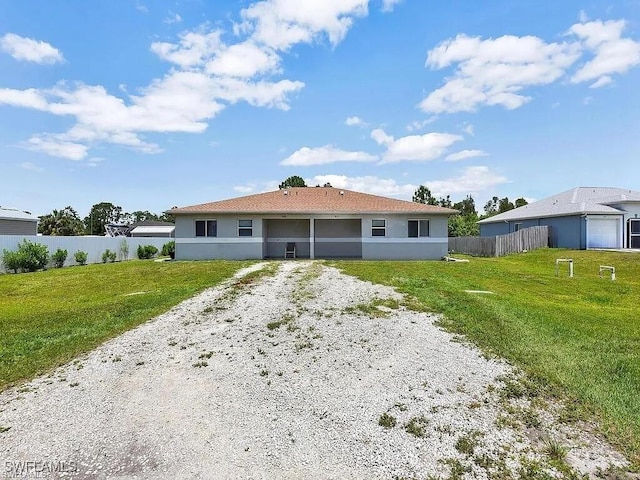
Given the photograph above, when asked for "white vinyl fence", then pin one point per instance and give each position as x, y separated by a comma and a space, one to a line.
93, 246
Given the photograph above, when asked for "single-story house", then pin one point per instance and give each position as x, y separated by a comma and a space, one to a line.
152, 228
580, 218
17, 222
318, 222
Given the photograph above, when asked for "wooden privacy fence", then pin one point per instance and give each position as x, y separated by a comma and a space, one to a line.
525, 239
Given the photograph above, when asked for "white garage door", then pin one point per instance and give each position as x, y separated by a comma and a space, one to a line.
603, 233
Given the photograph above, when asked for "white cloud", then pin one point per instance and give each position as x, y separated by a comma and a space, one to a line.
601, 82
471, 181
465, 155
30, 50
209, 75
468, 128
420, 124
367, 184
587, 100
31, 166
583, 17
323, 155
245, 189
414, 147
354, 121
388, 5
57, 147
281, 24
244, 60
173, 18
494, 71
612, 53
141, 7
94, 162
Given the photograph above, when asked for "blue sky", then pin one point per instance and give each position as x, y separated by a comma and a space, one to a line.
151, 104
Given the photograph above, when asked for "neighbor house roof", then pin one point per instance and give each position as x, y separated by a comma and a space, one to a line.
15, 214
151, 229
577, 201
312, 200
152, 223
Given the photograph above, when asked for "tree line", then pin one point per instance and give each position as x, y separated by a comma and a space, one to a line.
67, 222
465, 223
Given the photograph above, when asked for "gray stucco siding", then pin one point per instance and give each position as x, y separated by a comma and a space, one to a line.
418, 250
223, 251
347, 237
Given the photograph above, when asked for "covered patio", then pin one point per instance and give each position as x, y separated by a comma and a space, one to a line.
313, 237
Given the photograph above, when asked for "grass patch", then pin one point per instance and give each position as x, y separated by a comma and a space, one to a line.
416, 426
48, 318
387, 421
575, 337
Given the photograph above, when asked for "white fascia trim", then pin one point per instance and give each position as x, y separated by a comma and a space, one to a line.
219, 240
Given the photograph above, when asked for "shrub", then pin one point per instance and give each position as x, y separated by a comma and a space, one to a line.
59, 257
30, 257
146, 252
81, 257
169, 249
108, 255
12, 260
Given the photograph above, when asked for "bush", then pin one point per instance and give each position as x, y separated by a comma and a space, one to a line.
12, 260
81, 257
29, 257
146, 252
108, 255
59, 257
169, 249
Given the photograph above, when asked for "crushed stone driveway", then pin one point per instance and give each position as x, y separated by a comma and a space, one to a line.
289, 375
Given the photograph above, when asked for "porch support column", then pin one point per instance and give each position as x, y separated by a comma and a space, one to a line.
312, 246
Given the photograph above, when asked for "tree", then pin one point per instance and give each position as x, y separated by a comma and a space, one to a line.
521, 202
463, 225
491, 207
423, 195
294, 181
102, 214
65, 222
445, 202
466, 206
504, 205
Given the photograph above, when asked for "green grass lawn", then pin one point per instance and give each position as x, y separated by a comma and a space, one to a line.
48, 318
577, 337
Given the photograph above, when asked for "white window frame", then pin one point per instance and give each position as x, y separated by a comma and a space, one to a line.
419, 229
378, 228
250, 228
206, 227
517, 226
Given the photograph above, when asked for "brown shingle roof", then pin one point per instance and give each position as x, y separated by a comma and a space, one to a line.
312, 200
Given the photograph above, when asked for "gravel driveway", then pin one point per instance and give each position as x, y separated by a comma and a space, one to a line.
284, 377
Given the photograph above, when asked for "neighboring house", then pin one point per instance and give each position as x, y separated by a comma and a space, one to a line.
584, 217
322, 222
152, 228
17, 222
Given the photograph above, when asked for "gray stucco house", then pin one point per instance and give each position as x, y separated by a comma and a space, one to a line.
580, 218
17, 222
322, 222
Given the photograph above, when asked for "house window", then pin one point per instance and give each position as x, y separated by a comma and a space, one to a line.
245, 228
379, 228
418, 228
206, 228
517, 226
